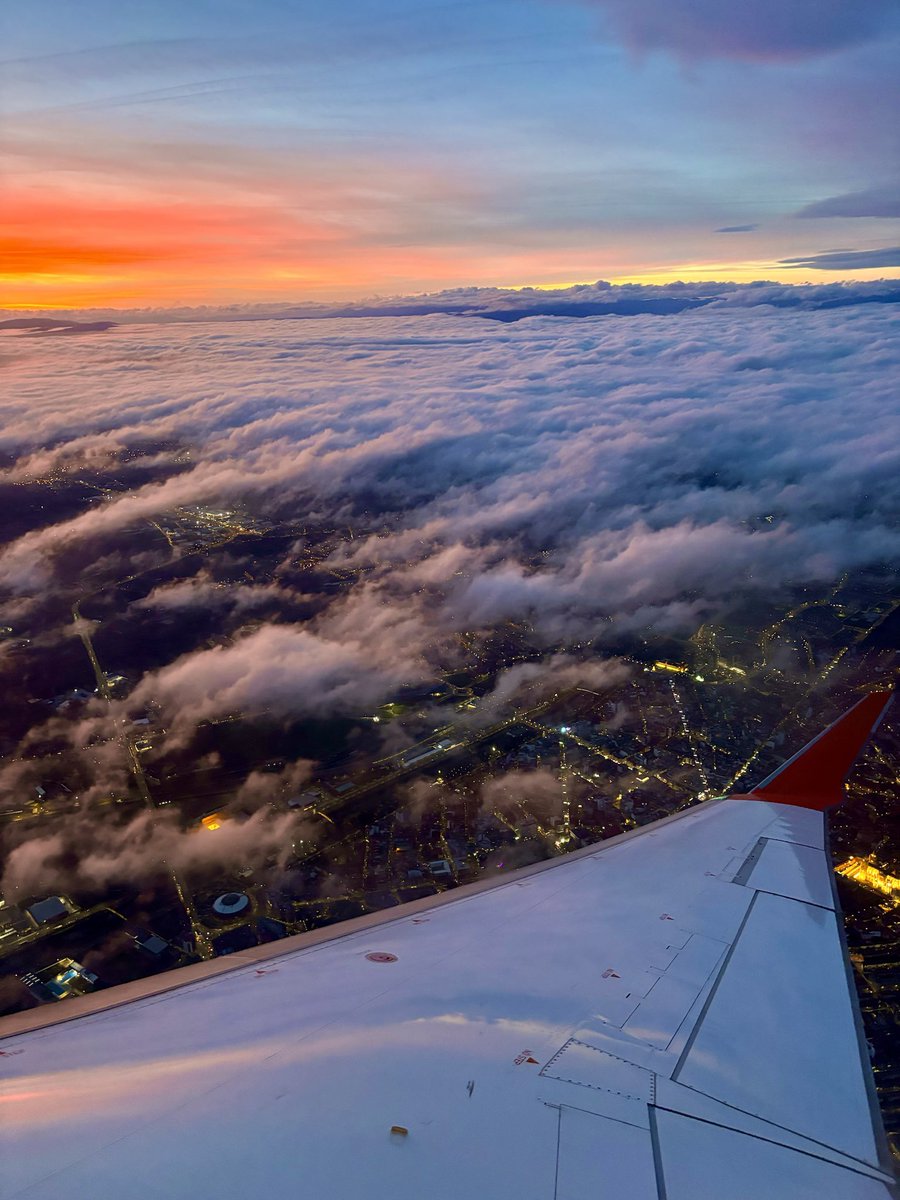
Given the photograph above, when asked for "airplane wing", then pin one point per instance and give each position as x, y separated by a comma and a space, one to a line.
667, 1016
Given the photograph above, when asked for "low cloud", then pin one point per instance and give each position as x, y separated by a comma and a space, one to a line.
737, 229
282, 670
264, 787
204, 592
533, 682
88, 854
538, 791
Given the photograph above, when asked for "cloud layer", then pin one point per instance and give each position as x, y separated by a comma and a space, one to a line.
581, 478
557, 471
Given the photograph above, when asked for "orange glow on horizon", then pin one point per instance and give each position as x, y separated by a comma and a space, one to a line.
730, 272
120, 249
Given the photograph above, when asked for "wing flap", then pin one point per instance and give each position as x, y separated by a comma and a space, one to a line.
775, 1037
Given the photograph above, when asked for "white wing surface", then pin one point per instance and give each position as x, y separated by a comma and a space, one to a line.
667, 1017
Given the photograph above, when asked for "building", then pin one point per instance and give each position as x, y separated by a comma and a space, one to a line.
152, 943
54, 908
305, 800
411, 757
230, 904
63, 979
13, 922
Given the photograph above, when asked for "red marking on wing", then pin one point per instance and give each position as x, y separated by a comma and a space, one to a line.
814, 778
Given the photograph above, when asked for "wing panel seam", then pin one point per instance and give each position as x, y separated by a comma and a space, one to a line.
657, 1153
850, 1164
863, 1164
723, 967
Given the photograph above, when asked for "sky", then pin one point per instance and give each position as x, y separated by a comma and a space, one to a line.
227, 152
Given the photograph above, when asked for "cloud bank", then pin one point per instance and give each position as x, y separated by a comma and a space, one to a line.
600, 299
582, 477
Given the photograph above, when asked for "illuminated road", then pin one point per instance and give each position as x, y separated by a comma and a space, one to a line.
628, 763
401, 770
56, 927
83, 628
689, 735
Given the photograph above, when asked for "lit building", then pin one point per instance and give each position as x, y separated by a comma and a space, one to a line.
864, 871
63, 979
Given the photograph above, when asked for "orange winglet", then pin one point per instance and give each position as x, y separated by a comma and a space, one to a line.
814, 778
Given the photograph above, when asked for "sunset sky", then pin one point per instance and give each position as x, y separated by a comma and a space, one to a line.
221, 151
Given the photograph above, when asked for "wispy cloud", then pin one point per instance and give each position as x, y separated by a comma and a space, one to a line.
882, 201
754, 31
847, 260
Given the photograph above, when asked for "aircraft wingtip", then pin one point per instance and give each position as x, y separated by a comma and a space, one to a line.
814, 778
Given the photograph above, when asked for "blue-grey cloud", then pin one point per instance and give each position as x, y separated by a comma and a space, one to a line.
737, 229
754, 30
847, 260
883, 201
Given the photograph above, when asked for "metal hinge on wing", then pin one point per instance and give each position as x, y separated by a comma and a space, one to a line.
746, 867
